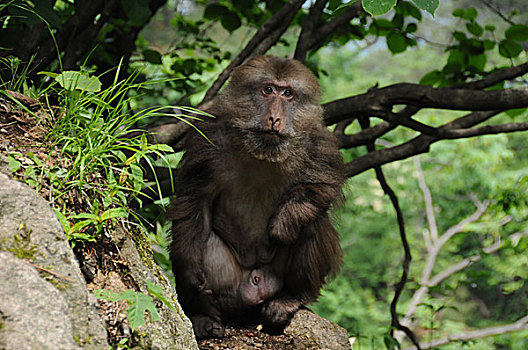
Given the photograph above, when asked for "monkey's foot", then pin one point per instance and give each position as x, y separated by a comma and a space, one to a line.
206, 327
279, 311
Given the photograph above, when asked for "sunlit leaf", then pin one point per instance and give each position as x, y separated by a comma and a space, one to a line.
71, 80
427, 5
378, 7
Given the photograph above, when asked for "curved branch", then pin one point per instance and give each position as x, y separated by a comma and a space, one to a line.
265, 37
419, 144
324, 31
308, 28
365, 136
462, 97
313, 37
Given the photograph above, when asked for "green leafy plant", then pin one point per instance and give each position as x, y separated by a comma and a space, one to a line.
138, 303
89, 164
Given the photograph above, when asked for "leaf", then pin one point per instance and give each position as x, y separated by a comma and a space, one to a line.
136, 311
156, 291
490, 28
13, 164
509, 48
137, 11
517, 32
215, 11
107, 295
231, 21
396, 42
152, 56
474, 28
512, 113
411, 28
457, 56
62, 219
71, 80
478, 61
381, 27
431, 78
467, 14
427, 5
378, 7
114, 213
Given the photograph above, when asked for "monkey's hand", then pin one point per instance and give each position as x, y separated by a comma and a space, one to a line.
278, 312
287, 221
301, 205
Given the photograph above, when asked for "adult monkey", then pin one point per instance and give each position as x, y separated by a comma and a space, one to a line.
254, 201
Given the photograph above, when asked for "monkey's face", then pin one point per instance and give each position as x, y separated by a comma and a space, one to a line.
274, 103
259, 286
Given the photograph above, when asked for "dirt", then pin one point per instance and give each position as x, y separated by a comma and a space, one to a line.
23, 133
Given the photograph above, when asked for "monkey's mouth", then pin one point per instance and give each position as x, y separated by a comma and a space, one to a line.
270, 135
267, 145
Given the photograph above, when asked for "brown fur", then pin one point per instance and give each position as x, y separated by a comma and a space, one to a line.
254, 201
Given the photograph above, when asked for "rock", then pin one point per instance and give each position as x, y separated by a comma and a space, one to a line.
174, 331
317, 332
44, 303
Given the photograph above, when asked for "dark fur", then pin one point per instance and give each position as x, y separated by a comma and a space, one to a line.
254, 201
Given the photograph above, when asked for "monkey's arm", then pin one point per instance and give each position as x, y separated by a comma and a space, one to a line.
302, 204
190, 213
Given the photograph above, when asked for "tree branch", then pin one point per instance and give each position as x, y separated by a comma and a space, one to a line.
328, 28
308, 28
315, 37
462, 97
519, 325
419, 144
432, 236
395, 323
265, 37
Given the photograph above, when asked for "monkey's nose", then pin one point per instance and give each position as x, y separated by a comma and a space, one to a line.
274, 124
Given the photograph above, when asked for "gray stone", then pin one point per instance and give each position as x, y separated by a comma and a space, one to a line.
56, 312
317, 332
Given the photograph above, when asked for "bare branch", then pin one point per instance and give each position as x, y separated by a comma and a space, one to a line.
519, 325
455, 229
485, 130
265, 37
432, 237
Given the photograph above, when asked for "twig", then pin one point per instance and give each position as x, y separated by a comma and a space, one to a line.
432, 235
56, 274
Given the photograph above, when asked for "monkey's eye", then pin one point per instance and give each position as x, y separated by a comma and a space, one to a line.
268, 90
288, 93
